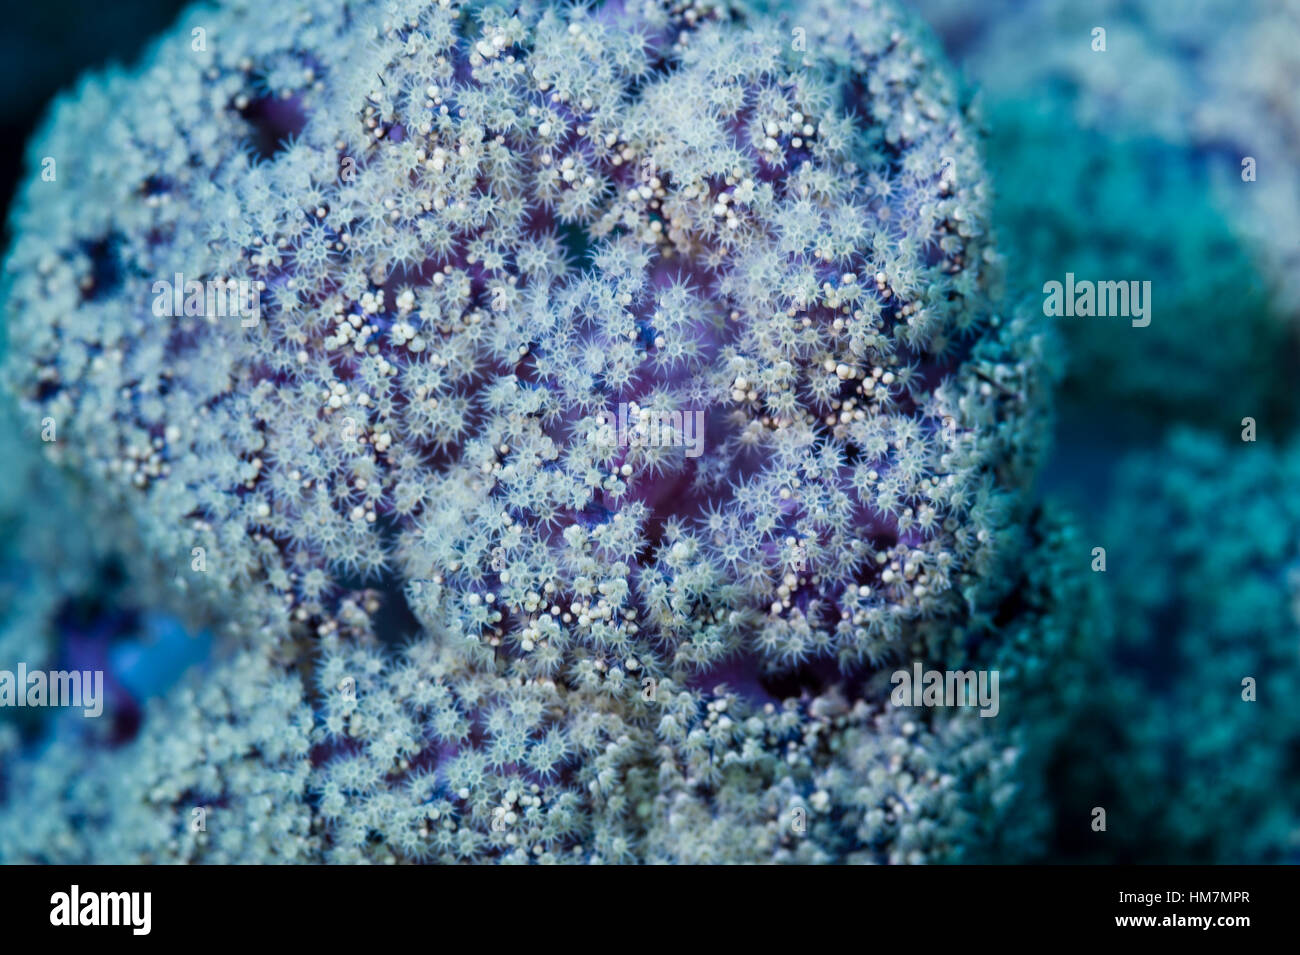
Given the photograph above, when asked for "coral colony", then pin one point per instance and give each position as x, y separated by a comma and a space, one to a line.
1232, 523
452, 620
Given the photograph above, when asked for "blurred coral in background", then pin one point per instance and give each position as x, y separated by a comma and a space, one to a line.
1173, 155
